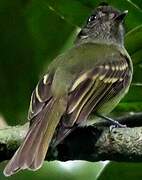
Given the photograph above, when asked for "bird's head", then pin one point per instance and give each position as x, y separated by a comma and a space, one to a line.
104, 24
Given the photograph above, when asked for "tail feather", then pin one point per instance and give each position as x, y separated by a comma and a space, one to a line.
18, 162
32, 152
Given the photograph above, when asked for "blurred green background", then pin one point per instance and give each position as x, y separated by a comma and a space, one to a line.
32, 34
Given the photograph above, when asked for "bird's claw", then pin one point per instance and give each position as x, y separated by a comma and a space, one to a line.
117, 125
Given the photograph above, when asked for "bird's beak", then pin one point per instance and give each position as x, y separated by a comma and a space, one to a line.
121, 16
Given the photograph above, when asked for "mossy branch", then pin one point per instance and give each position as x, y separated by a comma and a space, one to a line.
89, 143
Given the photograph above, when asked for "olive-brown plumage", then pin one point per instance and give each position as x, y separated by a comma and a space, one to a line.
94, 75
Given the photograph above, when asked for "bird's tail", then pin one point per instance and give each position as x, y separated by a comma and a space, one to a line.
32, 152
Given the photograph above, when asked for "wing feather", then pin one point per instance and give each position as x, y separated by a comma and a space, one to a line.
96, 91
40, 96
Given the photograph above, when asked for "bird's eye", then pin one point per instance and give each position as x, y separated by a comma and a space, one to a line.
92, 18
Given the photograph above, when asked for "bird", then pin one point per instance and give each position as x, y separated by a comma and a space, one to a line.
92, 76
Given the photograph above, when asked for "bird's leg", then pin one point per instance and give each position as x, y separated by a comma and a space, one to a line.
112, 121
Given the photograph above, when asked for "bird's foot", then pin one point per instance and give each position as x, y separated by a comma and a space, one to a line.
118, 125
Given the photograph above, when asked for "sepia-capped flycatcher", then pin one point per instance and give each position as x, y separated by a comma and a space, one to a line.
93, 76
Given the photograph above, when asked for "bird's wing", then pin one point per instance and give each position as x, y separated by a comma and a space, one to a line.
94, 87
40, 96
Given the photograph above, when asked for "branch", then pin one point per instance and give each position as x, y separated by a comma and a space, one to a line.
89, 143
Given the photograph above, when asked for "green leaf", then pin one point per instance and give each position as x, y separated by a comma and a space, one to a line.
73, 12
31, 36
117, 171
132, 102
133, 40
137, 3
58, 171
